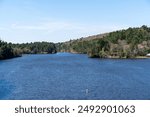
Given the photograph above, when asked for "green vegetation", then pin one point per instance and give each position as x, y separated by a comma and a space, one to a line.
130, 43
36, 48
9, 50
6, 51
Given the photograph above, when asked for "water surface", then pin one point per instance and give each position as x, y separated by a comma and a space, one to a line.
74, 76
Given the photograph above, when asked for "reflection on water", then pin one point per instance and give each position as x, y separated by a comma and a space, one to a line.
74, 76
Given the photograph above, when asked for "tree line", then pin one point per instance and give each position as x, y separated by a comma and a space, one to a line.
9, 50
6, 51
36, 48
129, 43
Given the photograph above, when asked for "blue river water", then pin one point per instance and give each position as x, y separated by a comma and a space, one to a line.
66, 76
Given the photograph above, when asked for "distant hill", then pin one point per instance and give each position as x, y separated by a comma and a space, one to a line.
129, 43
99, 36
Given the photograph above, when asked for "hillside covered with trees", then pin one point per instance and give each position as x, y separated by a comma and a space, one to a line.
129, 43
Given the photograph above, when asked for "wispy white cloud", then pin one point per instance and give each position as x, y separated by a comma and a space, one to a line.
50, 27
27, 27
44, 26
3, 29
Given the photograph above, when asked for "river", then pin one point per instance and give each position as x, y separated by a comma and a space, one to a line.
66, 76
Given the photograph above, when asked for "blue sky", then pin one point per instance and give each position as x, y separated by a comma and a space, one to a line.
61, 20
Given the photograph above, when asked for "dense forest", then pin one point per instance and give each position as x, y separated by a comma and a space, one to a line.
129, 43
36, 48
9, 50
6, 51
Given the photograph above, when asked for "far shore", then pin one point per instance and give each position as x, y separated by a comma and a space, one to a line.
116, 57
109, 57
137, 57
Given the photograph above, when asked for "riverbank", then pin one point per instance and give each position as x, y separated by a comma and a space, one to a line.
10, 57
137, 57
114, 57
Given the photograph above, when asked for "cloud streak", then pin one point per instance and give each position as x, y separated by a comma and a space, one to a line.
57, 26
42, 26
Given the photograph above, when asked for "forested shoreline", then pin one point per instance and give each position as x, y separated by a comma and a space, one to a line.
9, 50
36, 48
129, 43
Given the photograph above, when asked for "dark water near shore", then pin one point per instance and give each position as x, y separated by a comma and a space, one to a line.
74, 76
